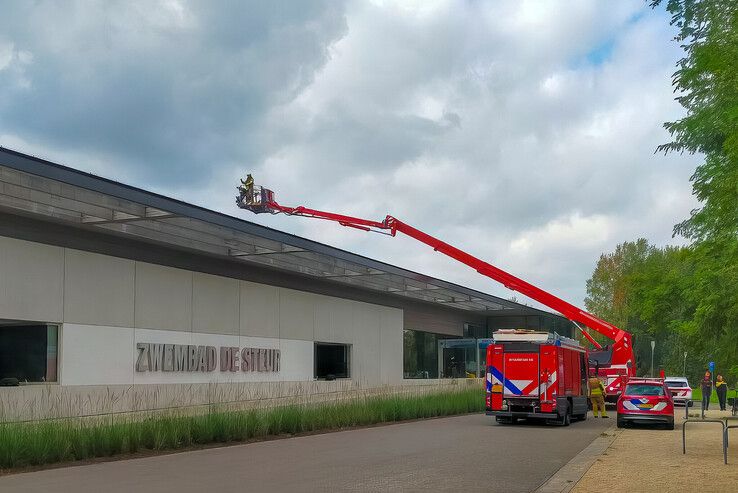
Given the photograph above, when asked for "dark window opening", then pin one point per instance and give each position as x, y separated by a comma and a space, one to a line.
332, 361
420, 354
600, 356
28, 352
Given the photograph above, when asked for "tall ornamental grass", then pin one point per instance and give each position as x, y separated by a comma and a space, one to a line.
31, 444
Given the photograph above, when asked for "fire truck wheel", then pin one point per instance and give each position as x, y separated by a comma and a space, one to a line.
564, 420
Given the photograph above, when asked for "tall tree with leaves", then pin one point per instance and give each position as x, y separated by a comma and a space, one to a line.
706, 81
643, 289
608, 290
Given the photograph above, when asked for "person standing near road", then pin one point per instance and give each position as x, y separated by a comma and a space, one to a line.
721, 388
597, 396
706, 386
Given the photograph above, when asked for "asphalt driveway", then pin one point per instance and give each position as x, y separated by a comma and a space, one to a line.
464, 453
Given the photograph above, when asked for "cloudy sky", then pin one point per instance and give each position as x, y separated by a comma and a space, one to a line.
521, 131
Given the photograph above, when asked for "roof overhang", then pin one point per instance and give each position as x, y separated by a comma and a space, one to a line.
49, 191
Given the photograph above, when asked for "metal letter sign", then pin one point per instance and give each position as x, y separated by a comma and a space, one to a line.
187, 357
712, 366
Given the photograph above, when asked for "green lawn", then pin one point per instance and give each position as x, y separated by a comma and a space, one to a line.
697, 395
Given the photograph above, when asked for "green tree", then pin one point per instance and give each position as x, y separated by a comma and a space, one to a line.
684, 298
706, 81
608, 294
641, 289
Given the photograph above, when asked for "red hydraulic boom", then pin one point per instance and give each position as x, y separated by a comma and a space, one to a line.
611, 362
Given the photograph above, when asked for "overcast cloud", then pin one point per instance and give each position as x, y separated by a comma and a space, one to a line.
522, 132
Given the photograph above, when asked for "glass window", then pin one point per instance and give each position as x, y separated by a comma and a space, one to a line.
600, 356
332, 361
28, 352
420, 354
676, 383
429, 355
459, 358
644, 389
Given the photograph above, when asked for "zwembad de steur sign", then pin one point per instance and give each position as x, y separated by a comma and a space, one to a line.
186, 357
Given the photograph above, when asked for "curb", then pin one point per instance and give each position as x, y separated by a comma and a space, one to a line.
568, 476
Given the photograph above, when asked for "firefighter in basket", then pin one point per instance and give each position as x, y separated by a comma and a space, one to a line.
247, 185
597, 396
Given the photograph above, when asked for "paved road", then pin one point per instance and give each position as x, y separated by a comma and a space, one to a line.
465, 453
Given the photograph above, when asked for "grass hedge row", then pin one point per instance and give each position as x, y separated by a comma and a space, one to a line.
29, 444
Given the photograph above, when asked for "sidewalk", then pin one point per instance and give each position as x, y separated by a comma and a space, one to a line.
644, 459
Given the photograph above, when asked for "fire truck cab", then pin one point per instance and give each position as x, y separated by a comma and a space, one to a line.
536, 375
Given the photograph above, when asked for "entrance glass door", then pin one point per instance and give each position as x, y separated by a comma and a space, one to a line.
459, 358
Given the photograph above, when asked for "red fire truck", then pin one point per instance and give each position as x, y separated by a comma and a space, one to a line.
536, 375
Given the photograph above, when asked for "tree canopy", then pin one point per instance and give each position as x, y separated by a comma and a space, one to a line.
686, 298
706, 81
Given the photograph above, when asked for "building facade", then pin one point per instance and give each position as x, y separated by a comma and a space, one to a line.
117, 300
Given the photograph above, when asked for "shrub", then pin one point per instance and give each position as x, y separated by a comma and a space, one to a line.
26, 444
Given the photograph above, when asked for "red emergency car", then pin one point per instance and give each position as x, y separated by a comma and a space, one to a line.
646, 400
536, 375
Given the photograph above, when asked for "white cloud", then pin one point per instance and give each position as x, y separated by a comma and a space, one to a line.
522, 132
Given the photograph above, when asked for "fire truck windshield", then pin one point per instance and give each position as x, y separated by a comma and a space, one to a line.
600, 357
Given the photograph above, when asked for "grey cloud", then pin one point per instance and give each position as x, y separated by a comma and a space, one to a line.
171, 93
540, 140
372, 141
467, 120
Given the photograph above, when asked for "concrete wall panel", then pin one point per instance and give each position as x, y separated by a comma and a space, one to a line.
296, 358
259, 310
96, 355
296, 315
36, 402
366, 347
98, 290
163, 297
439, 320
334, 320
31, 281
391, 346
215, 303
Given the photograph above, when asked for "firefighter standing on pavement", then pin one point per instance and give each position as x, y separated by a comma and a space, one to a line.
597, 396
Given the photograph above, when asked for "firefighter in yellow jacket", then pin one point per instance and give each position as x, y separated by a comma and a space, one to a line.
597, 396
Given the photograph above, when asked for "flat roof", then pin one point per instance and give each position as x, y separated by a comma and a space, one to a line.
45, 190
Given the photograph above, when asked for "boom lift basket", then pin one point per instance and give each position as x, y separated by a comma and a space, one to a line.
254, 198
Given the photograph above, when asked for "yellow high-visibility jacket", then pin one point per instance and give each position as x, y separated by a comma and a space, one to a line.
595, 387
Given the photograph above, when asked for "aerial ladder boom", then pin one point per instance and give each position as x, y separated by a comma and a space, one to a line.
261, 200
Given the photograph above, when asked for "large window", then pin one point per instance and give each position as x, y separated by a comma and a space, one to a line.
420, 354
28, 352
332, 361
459, 358
429, 355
